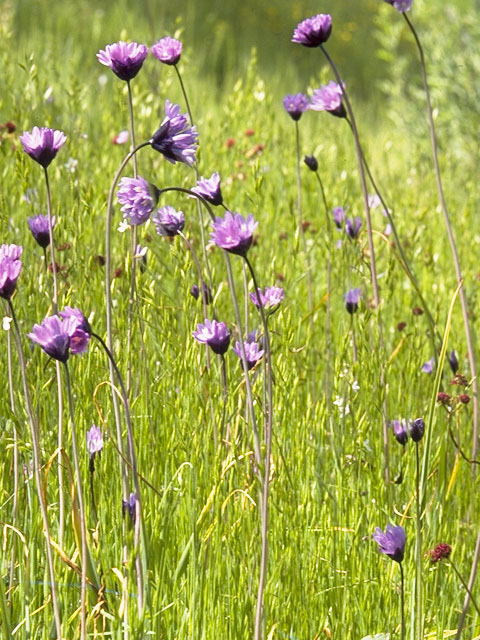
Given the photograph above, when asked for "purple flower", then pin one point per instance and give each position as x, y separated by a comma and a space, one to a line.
10, 267
352, 227
453, 360
234, 233
42, 144
206, 293
168, 221
131, 506
175, 139
54, 334
400, 431
272, 297
80, 335
311, 162
428, 366
210, 189
138, 198
314, 31
215, 334
253, 353
338, 216
94, 440
125, 59
167, 50
295, 105
392, 542
38, 225
352, 298
417, 429
329, 98
401, 5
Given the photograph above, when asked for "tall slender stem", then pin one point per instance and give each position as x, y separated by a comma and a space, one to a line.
15, 456
301, 226
418, 550
52, 248
38, 480
402, 601
471, 582
451, 239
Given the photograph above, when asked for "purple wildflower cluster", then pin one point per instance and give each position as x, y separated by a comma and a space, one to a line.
63, 334
176, 140
234, 233
329, 98
38, 225
350, 226
42, 144
403, 429
10, 267
391, 542
168, 221
125, 59
138, 199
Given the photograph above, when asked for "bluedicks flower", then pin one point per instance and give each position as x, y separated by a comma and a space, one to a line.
253, 353
400, 431
234, 233
94, 440
401, 5
352, 298
215, 334
428, 366
10, 267
130, 506
311, 162
167, 50
392, 542
168, 221
339, 216
417, 429
270, 299
329, 98
295, 105
209, 189
314, 31
125, 59
42, 144
453, 361
352, 227
138, 198
38, 225
176, 140
53, 335
80, 335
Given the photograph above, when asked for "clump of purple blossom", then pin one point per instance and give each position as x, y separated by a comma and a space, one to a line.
38, 225
42, 144
168, 221
270, 299
401, 5
352, 299
314, 31
209, 189
215, 334
295, 105
125, 59
63, 334
329, 98
167, 50
253, 352
392, 542
138, 199
234, 233
176, 140
10, 267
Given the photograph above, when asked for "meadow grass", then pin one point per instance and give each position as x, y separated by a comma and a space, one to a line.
200, 502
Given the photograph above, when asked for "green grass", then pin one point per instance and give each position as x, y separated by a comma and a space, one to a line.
325, 575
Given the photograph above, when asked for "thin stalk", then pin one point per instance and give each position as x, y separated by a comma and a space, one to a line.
354, 341
471, 582
38, 480
225, 400
418, 550
15, 460
402, 601
52, 248
83, 526
465, 586
193, 253
301, 227
451, 239
92, 489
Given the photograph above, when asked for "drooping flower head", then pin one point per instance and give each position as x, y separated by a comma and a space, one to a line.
94, 440
130, 506
329, 98
352, 298
401, 5
392, 542
339, 216
417, 429
54, 334
311, 162
314, 31
167, 50
234, 233
79, 336
270, 299
400, 431
352, 227
295, 105
38, 225
176, 140
253, 353
138, 198
168, 221
213, 333
453, 360
210, 189
10, 267
125, 59
42, 144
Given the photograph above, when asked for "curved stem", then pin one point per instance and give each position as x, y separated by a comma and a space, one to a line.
301, 227
38, 480
451, 239
182, 86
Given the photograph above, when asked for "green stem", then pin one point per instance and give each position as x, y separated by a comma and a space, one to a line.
402, 601
301, 227
418, 549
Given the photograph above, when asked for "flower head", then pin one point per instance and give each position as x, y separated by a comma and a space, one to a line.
392, 542
401, 5
42, 144
400, 431
253, 353
234, 233
429, 365
131, 506
210, 189
125, 59
352, 298
314, 31
295, 105
352, 227
441, 551
453, 360
175, 139
311, 162
339, 216
53, 335
138, 198
417, 429
168, 221
329, 98
10, 267
272, 297
80, 335
167, 50
213, 333
38, 225
94, 440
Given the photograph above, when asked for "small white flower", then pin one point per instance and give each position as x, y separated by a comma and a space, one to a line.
123, 226
6, 322
71, 165
355, 385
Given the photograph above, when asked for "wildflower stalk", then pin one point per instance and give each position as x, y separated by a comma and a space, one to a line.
301, 227
373, 268
15, 456
464, 585
471, 582
418, 549
451, 238
193, 253
402, 601
83, 526
38, 480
